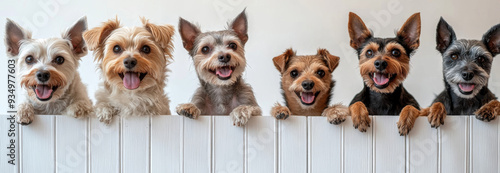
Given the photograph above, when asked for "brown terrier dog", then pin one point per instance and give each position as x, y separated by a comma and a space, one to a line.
306, 83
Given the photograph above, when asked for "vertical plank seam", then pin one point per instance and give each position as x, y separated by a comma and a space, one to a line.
21, 160
373, 144
308, 144
468, 142
120, 143
342, 148
245, 148
407, 153
211, 130
87, 143
150, 143
54, 128
439, 150
181, 148
276, 144
280, 135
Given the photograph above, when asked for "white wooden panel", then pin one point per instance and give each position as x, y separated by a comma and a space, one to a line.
9, 144
197, 145
325, 145
423, 147
71, 145
358, 148
135, 144
37, 151
453, 144
293, 144
390, 149
261, 150
104, 146
228, 145
166, 142
484, 144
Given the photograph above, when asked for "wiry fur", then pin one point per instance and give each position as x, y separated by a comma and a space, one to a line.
70, 98
217, 96
113, 98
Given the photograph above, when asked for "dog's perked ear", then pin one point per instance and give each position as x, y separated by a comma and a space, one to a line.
13, 36
281, 61
240, 26
358, 32
492, 40
331, 60
75, 36
444, 35
162, 34
410, 32
96, 36
188, 32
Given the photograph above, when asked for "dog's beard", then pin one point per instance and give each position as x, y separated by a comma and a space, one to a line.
220, 74
466, 89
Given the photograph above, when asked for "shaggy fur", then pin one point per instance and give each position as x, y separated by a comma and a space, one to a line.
57, 59
115, 48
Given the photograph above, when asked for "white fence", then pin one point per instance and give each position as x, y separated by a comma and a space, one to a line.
212, 144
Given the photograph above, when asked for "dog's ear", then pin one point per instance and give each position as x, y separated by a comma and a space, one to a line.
240, 26
410, 32
162, 34
13, 36
189, 32
281, 61
75, 36
331, 60
444, 35
358, 32
96, 36
492, 40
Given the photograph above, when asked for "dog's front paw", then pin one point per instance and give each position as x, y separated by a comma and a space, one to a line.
437, 114
25, 114
81, 109
105, 113
336, 114
241, 114
407, 119
359, 115
280, 112
488, 111
189, 110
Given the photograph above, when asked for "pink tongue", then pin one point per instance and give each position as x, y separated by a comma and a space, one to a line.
466, 87
131, 80
380, 79
43, 91
307, 97
223, 72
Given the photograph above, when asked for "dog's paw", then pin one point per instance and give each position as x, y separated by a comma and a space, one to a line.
25, 114
81, 109
105, 113
336, 114
407, 119
488, 111
188, 110
437, 114
359, 115
280, 112
241, 114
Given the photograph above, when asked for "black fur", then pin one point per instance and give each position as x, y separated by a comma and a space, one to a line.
456, 105
385, 103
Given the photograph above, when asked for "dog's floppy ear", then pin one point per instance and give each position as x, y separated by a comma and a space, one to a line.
358, 32
281, 61
492, 39
410, 31
162, 34
188, 32
331, 60
240, 26
75, 36
96, 36
444, 35
13, 36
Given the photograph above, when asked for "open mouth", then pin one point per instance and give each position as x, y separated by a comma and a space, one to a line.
382, 80
466, 88
44, 92
224, 72
307, 98
132, 80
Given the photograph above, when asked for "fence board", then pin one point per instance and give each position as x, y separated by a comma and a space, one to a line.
197, 145
135, 144
423, 147
390, 150
293, 144
325, 145
454, 144
71, 145
166, 144
105, 146
37, 145
261, 150
484, 145
358, 148
228, 145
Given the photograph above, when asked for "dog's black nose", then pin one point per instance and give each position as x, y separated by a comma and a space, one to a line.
307, 84
467, 75
129, 62
380, 64
225, 58
42, 75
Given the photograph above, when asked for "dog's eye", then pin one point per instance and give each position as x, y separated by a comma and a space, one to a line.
117, 49
205, 50
29, 60
294, 73
369, 53
146, 49
480, 59
59, 60
232, 46
320, 73
454, 57
396, 53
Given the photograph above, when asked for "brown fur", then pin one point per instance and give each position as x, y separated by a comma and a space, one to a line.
359, 115
488, 111
436, 114
407, 119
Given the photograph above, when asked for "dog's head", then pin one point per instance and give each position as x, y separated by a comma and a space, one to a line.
132, 59
384, 62
219, 57
466, 63
306, 79
46, 67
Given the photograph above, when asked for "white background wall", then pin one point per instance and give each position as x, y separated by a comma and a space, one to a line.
274, 26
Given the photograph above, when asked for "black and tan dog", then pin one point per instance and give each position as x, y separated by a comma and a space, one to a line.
466, 70
306, 83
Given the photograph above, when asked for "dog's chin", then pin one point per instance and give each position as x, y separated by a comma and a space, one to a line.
307, 98
132, 80
466, 90
44, 93
221, 76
